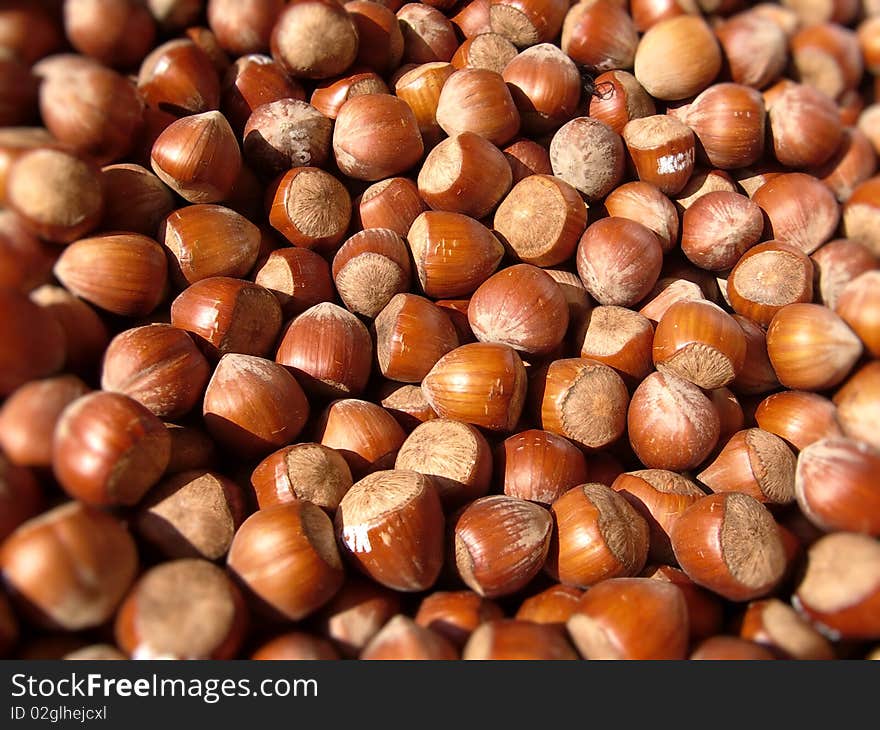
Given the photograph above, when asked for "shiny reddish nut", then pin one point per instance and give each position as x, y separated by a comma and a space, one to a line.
539, 466
811, 347
299, 279
92, 110
428, 35
178, 77
778, 627
183, 609
420, 88
718, 228
583, 400
251, 81
768, 277
286, 557
69, 567
659, 497
522, 307
25, 260
858, 306
33, 341
228, 315
19, 91
135, 199
84, 332
108, 450
481, 383
21, 497
329, 350
730, 412
755, 47
311, 208
253, 406
295, 646
393, 203
500, 544
835, 485
671, 423
27, 423
473, 18
730, 648
662, 150
454, 455
406, 403
193, 514
490, 51
619, 261
805, 125
588, 155
620, 338
367, 436
798, 417
456, 310
206, 40
123, 273
306, 471
553, 606
668, 291
541, 219
705, 615
827, 57
644, 203
293, 36
527, 157
730, 544
856, 403
860, 214
453, 253
619, 98
600, 35
356, 614
703, 181
545, 85
191, 448
56, 195
370, 269
477, 100
729, 122
412, 334
753, 462
112, 32
286, 133
380, 39
243, 27
159, 366
840, 590
598, 535
465, 174
515, 639
376, 136
455, 615
700, 342
198, 157
695, 64
630, 618
853, 163
527, 23
391, 526
404, 640
800, 210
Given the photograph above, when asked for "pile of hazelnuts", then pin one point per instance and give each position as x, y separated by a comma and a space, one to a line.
482, 329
